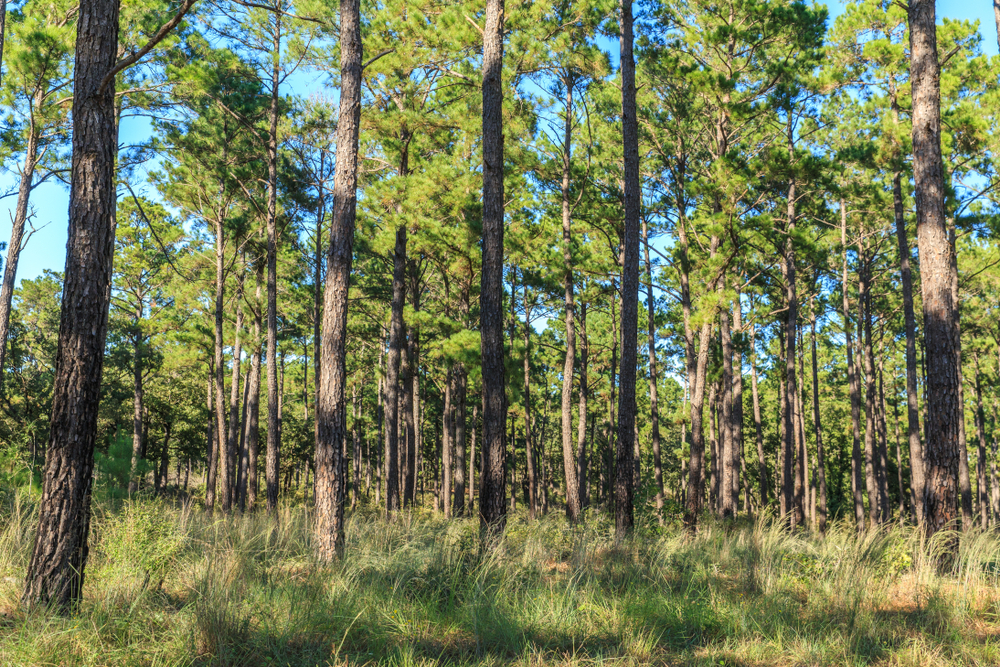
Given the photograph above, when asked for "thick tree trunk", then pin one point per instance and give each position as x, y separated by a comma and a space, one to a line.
59, 556
818, 429
273, 417
396, 343
944, 411
493, 492
20, 219
331, 468
624, 461
912, 407
852, 378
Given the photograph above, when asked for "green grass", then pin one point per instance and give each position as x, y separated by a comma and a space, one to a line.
170, 586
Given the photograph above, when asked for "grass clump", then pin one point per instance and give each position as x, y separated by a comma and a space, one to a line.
173, 586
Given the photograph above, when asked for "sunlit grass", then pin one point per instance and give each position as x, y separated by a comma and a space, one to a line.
174, 586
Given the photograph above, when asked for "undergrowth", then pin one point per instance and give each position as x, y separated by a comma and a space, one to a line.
169, 585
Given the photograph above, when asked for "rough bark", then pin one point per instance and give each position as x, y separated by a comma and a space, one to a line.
493, 492
59, 556
331, 468
940, 331
727, 501
624, 460
273, 418
396, 342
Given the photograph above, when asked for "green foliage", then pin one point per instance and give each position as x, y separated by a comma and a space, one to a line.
114, 466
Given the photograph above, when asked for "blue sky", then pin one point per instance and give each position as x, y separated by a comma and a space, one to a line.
50, 202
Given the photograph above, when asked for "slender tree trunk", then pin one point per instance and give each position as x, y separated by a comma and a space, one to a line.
529, 452
737, 462
20, 216
229, 495
654, 405
409, 394
138, 446
885, 505
791, 320
727, 501
817, 426
852, 377
447, 442
982, 498
331, 473
59, 556
865, 336
944, 411
762, 477
912, 408
461, 385
713, 445
211, 459
493, 492
253, 406
581, 426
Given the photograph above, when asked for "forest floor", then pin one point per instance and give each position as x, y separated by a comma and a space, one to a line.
172, 586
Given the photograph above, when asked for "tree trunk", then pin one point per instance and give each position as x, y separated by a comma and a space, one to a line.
982, 498
817, 426
59, 556
252, 420
20, 217
737, 462
447, 442
331, 473
852, 377
229, 494
219, 455
624, 460
912, 407
865, 336
791, 319
529, 453
493, 492
461, 385
944, 412
273, 427
654, 405
396, 342
581, 426
138, 446
758, 426
410, 394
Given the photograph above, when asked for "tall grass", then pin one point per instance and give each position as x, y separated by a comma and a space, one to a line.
169, 585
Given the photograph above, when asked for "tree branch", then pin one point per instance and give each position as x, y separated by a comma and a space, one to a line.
156, 39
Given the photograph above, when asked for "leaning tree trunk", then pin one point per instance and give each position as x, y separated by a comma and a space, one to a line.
493, 491
20, 219
331, 468
59, 557
273, 413
630, 286
940, 321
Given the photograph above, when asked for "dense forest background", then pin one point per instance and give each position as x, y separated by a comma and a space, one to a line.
774, 158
